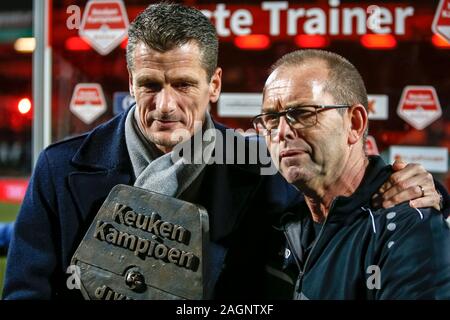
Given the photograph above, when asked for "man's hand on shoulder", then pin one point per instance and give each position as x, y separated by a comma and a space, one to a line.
408, 182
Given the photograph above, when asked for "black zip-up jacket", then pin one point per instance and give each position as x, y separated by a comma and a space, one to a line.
367, 253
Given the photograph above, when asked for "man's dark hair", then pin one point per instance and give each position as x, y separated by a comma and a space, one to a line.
164, 26
344, 81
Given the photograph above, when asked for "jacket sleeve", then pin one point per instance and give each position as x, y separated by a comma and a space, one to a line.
415, 258
32, 254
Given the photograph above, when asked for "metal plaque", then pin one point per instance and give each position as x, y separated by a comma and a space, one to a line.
144, 245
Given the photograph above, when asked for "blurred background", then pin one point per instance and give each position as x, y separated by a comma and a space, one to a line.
402, 49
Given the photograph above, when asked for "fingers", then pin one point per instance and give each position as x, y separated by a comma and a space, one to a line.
427, 201
430, 198
406, 179
398, 165
409, 171
398, 177
404, 185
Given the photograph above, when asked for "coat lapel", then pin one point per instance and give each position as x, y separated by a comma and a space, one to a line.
102, 162
90, 189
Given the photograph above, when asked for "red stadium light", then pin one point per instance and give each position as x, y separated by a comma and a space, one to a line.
252, 42
24, 105
77, 44
378, 41
440, 42
311, 41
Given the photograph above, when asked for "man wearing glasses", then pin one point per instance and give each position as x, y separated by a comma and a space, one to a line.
339, 244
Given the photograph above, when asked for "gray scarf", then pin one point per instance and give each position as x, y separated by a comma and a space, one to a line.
165, 173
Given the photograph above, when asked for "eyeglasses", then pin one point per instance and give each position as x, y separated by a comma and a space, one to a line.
298, 117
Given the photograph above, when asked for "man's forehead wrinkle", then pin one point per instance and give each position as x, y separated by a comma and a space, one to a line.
295, 85
179, 55
279, 84
275, 101
277, 89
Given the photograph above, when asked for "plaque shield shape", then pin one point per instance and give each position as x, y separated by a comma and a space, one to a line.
145, 246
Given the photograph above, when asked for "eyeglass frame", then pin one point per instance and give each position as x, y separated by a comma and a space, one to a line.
285, 112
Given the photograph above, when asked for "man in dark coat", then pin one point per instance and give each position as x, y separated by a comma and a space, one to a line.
172, 62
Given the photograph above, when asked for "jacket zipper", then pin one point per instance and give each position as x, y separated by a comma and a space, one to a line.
298, 285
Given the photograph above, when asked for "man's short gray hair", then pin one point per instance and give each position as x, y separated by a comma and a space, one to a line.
164, 26
344, 82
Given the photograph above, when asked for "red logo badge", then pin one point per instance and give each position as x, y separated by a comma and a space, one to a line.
104, 24
88, 102
441, 22
419, 106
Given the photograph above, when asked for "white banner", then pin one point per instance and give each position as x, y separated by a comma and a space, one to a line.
378, 106
433, 159
239, 104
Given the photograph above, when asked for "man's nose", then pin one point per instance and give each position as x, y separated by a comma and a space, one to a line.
283, 131
166, 101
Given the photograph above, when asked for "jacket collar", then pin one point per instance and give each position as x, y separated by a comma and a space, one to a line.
344, 210
377, 172
104, 148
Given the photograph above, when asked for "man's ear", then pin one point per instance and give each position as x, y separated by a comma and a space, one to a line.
130, 82
215, 85
358, 122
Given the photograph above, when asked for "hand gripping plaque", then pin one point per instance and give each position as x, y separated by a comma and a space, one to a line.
144, 245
